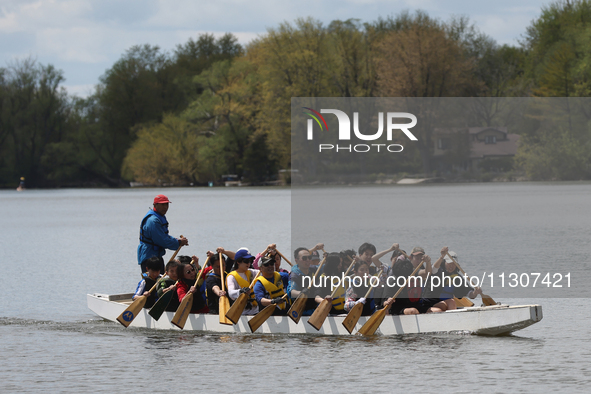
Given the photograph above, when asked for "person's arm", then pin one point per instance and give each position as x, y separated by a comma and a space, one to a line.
441, 259
294, 284
255, 263
259, 292
427, 270
233, 287
316, 247
181, 290
159, 236
139, 291
228, 253
473, 293
218, 291
376, 257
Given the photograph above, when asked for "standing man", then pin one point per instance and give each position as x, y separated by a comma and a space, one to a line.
154, 238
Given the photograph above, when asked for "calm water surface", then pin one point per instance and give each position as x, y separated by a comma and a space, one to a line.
58, 245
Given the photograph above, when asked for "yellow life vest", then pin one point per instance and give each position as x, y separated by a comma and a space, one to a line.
338, 301
275, 289
244, 283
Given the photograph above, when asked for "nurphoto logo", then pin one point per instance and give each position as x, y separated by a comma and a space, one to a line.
344, 132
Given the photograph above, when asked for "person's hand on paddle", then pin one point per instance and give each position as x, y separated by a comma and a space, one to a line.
168, 288
195, 262
245, 290
210, 254
306, 291
183, 241
277, 300
271, 248
475, 292
394, 247
219, 249
221, 293
319, 299
389, 301
444, 251
362, 300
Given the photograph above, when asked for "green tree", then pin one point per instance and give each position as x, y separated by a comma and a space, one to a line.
164, 153
423, 58
33, 115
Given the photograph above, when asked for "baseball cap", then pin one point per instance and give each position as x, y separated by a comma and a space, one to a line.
315, 256
161, 199
242, 253
266, 261
452, 254
417, 250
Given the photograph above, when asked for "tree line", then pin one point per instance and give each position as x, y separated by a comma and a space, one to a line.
214, 107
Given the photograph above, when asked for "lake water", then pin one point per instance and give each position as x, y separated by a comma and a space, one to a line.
59, 245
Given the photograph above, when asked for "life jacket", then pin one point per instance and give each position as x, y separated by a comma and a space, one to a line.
144, 238
447, 291
275, 289
151, 300
244, 283
338, 301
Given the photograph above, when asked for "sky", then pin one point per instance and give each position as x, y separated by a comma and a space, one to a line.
84, 38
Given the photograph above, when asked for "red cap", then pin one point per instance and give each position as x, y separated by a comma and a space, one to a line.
161, 199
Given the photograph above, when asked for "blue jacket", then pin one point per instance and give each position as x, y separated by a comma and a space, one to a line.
154, 238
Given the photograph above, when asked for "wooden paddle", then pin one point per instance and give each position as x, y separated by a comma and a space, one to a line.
322, 310
373, 323
262, 316
127, 316
224, 302
355, 313
238, 306
160, 306
182, 313
284, 258
463, 302
295, 312
487, 300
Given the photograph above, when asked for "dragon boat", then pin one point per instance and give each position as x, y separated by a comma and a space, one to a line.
484, 320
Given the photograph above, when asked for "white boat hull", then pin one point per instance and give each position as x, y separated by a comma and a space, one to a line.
489, 320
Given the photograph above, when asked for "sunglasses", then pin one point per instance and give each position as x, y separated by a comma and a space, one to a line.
306, 258
189, 270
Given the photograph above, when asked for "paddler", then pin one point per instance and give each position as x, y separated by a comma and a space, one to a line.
441, 289
304, 268
270, 287
239, 279
334, 268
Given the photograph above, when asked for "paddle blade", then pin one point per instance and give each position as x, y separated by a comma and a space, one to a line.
182, 313
463, 302
224, 307
237, 308
320, 314
261, 317
353, 317
487, 300
131, 312
373, 323
295, 312
160, 306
